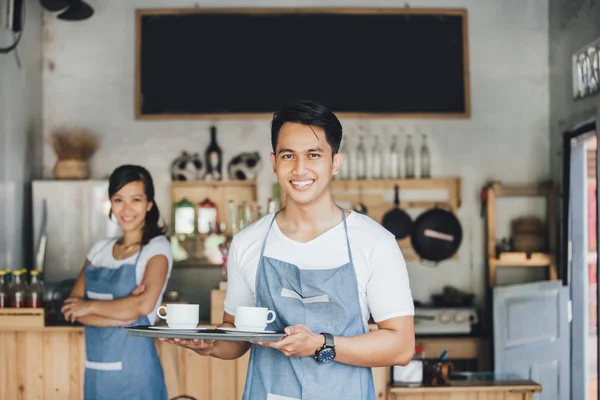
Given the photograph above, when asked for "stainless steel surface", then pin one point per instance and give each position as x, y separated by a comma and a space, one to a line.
206, 334
76, 218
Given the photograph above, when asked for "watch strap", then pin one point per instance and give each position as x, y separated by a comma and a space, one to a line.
328, 340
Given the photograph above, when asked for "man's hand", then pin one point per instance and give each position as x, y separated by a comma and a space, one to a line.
202, 347
299, 342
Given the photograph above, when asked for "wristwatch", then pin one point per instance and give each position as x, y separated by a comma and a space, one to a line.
326, 353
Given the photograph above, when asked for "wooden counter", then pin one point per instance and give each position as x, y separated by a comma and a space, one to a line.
469, 390
48, 363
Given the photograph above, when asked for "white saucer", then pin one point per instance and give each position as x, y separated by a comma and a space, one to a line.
175, 329
244, 331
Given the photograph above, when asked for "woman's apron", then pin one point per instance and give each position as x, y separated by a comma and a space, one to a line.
323, 300
118, 365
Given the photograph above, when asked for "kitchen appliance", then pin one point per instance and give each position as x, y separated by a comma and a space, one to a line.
68, 218
445, 321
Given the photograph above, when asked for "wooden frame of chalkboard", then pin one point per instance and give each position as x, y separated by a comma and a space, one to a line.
461, 13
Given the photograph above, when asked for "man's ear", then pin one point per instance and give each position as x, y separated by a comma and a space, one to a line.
273, 164
338, 159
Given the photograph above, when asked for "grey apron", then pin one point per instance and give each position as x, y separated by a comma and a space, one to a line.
118, 365
324, 300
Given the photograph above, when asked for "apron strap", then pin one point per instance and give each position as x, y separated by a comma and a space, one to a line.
347, 239
264, 244
262, 250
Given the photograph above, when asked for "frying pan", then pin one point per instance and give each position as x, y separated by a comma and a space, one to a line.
436, 235
396, 220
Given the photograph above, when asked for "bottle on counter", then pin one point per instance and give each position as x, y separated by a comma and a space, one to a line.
394, 160
18, 289
425, 159
376, 160
345, 170
214, 158
4, 293
409, 158
361, 159
35, 291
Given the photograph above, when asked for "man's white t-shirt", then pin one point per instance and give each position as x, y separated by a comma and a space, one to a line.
101, 255
383, 283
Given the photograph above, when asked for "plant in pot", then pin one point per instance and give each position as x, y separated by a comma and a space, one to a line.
74, 147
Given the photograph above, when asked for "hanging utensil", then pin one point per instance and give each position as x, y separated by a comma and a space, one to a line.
396, 220
436, 235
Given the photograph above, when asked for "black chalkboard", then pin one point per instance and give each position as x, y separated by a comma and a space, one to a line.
194, 63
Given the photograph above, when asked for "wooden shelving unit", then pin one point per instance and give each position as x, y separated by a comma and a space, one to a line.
219, 192
370, 192
517, 259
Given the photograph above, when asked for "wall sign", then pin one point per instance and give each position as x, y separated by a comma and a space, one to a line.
586, 75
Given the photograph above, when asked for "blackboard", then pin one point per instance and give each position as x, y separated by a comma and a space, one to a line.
211, 63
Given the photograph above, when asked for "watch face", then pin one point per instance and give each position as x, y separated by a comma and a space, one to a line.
326, 355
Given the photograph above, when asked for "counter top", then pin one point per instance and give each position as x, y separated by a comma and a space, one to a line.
477, 381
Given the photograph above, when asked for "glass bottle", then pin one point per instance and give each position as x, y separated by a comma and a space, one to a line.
409, 158
394, 160
4, 293
376, 160
214, 158
425, 159
18, 289
35, 291
361, 159
344, 172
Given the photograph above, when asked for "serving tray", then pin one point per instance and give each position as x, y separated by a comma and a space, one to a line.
203, 333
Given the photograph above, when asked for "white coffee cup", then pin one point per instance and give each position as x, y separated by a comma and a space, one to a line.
180, 316
253, 318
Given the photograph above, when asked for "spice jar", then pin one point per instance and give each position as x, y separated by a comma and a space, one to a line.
4, 293
35, 291
18, 289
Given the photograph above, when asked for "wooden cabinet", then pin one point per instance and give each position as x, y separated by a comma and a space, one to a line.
48, 363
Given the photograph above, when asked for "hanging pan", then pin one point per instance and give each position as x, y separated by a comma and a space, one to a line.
436, 235
396, 220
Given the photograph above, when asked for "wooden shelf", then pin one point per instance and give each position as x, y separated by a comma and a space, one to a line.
219, 192
232, 183
515, 259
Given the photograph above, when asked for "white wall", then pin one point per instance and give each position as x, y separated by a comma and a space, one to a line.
20, 135
89, 80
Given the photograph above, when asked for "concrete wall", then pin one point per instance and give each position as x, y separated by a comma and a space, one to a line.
89, 80
573, 25
20, 135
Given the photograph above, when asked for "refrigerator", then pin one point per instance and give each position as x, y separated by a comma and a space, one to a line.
68, 218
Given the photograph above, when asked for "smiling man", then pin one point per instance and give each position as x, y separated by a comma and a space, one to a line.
323, 270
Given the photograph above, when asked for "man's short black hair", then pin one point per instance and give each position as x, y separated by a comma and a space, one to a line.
309, 113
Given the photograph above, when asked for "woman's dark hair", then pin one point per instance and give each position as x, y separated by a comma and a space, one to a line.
134, 173
309, 113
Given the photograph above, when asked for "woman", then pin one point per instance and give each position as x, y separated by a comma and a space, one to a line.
122, 283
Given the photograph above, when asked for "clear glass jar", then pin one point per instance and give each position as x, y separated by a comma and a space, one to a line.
4, 293
35, 291
18, 289
361, 159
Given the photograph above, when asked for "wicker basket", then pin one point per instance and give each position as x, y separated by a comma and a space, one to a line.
527, 225
528, 243
71, 169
